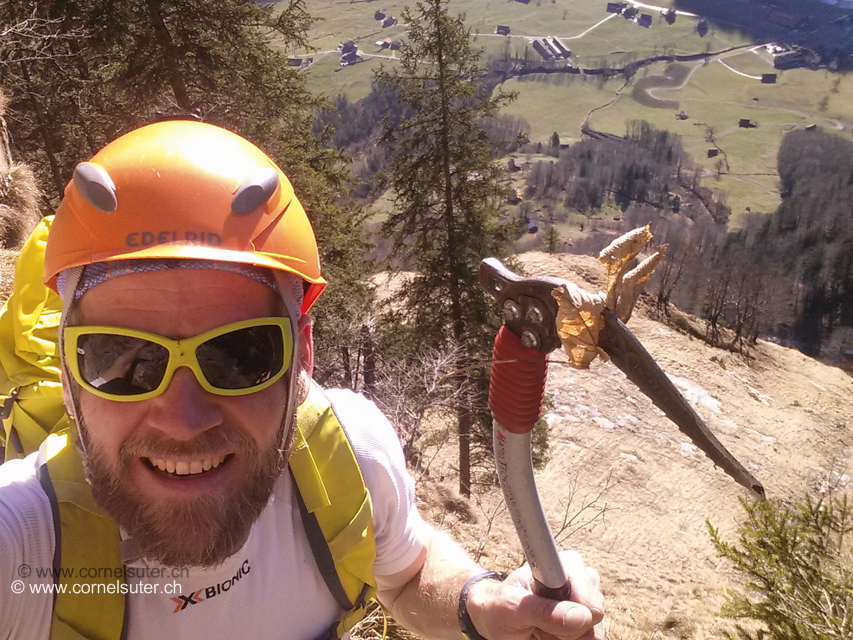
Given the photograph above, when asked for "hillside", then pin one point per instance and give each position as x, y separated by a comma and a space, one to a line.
786, 416
715, 91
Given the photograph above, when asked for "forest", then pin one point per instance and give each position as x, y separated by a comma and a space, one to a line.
786, 276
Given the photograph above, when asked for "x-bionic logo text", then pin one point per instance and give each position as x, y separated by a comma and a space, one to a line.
182, 602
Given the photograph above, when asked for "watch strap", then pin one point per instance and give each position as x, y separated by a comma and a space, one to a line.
465, 624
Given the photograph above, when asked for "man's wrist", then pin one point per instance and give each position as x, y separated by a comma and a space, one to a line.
466, 625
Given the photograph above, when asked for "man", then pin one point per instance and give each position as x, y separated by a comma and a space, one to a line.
186, 265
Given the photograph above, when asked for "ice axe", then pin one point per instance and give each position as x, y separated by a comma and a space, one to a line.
530, 332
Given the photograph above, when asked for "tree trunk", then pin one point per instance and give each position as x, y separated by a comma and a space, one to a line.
42, 128
463, 414
5, 152
369, 360
347, 367
170, 54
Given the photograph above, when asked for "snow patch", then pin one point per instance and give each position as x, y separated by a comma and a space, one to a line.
688, 449
817, 385
761, 397
695, 395
604, 423
768, 441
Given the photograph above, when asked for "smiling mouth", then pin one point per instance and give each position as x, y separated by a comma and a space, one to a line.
186, 468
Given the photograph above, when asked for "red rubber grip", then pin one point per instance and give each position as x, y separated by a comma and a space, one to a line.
516, 388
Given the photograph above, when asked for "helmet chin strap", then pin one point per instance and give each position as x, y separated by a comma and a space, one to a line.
72, 277
284, 281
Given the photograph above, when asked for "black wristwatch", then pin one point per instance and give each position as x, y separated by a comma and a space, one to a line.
465, 624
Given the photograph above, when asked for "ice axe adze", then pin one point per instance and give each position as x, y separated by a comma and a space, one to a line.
517, 385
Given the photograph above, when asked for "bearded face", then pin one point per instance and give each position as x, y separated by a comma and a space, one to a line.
200, 530
185, 473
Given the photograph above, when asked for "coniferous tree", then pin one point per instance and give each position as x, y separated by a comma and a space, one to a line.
447, 191
797, 569
81, 72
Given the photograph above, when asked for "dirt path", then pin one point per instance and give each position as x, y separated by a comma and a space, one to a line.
560, 38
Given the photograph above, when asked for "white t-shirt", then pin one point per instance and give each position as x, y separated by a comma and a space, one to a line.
271, 588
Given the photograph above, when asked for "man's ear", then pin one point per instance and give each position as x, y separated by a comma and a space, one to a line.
306, 357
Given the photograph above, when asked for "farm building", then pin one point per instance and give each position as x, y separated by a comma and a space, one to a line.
713, 153
395, 45
775, 49
547, 42
768, 78
789, 60
379, 15
616, 7
645, 20
669, 16
389, 22
502, 30
294, 62
349, 58
557, 46
746, 123
384, 43
681, 115
542, 50
702, 27
630, 13
348, 46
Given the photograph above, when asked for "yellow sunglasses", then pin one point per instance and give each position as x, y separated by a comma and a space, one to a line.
127, 365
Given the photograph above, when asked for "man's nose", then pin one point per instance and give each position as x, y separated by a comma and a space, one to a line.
185, 409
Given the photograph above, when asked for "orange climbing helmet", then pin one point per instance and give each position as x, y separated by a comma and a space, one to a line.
183, 189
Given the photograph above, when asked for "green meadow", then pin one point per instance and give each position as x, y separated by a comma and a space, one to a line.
717, 94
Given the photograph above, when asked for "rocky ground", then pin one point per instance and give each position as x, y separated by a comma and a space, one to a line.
632, 494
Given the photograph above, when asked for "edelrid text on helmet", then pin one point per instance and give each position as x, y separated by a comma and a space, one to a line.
183, 189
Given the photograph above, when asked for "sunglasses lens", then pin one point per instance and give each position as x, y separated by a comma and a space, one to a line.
244, 358
121, 365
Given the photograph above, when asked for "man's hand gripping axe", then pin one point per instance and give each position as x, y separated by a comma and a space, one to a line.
517, 386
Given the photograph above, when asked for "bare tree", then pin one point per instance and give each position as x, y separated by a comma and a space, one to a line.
411, 387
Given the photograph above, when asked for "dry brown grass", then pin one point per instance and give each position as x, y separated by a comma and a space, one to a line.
786, 416
18, 205
8, 260
378, 626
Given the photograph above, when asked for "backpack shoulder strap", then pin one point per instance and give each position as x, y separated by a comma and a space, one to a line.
335, 505
85, 538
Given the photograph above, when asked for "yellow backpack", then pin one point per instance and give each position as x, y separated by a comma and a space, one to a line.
334, 502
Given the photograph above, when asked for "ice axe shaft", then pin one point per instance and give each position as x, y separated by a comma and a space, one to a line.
515, 399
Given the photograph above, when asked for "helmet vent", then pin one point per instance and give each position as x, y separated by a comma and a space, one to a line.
96, 186
255, 191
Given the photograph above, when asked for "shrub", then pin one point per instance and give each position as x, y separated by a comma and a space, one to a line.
797, 566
